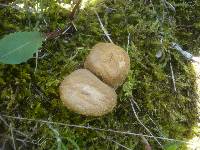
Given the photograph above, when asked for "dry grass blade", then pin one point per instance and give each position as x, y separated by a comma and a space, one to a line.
172, 75
110, 139
103, 28
12, 135
143, 124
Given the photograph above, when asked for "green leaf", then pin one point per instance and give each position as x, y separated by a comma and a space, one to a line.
18, 47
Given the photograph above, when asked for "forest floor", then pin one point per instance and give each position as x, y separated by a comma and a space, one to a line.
157, 104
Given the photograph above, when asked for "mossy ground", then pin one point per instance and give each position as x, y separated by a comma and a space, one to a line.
29, 94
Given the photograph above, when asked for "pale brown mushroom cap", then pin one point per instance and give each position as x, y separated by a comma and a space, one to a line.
84, 93
109, 62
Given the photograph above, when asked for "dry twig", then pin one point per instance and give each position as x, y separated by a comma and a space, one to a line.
91, 128
110, 139
12, 135
172, 75
103, 28
143, 124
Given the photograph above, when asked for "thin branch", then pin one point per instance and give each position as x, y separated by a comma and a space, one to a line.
16, 131
66, 30
168, 5
92, 128
103, 28
110, 139
128, 42
13, 139
20, 140
1, 118
143, 124
135, 104
29, 137
36, 62
27, 141
172, 75
157, 127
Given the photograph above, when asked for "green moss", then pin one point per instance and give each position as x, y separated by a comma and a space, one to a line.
35, 95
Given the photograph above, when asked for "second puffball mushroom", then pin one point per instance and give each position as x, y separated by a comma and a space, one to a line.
109, 62
84, 93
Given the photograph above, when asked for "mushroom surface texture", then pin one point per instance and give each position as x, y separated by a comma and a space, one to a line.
84, 93
109, 62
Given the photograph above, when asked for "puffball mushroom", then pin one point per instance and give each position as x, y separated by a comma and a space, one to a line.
84, 93
109, 62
